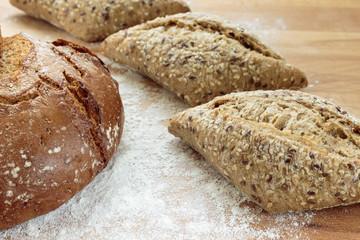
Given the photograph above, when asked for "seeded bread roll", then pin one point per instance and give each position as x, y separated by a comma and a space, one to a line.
95, 20
199, 56
286, 150
61, 119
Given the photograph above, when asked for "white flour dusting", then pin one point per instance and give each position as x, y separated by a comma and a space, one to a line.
263, 28
156, 187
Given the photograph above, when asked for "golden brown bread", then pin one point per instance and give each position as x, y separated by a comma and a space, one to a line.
286, 150
199, 56
95, 20
61, 119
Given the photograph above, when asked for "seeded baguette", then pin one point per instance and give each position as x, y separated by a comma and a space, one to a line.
199, 56
95, 20
61, 119
286, 150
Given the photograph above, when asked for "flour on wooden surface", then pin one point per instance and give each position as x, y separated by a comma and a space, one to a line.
157, 187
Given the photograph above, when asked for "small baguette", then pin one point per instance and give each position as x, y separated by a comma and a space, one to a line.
95, 20
286, 150
199, 56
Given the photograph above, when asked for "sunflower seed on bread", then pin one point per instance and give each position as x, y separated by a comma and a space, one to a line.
286, 150
199, 56
95, 20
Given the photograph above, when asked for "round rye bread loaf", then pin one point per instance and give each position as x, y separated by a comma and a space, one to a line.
61, 119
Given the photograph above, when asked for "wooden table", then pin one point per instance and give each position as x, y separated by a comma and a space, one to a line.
321, 37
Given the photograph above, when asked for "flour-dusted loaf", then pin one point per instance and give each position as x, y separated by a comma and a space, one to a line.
286, 150
61, 119
94, 20
199, 56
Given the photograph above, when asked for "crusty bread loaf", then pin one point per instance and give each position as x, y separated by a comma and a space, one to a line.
286, 150
199, 56
61, 118
95, 20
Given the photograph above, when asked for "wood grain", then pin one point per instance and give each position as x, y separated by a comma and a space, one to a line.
321, 37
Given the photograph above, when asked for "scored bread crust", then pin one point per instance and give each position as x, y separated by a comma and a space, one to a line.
199, 56
95, 20
286, 150
61, 119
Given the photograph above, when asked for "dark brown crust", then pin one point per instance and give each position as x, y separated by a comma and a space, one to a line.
81, 49
58, 132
